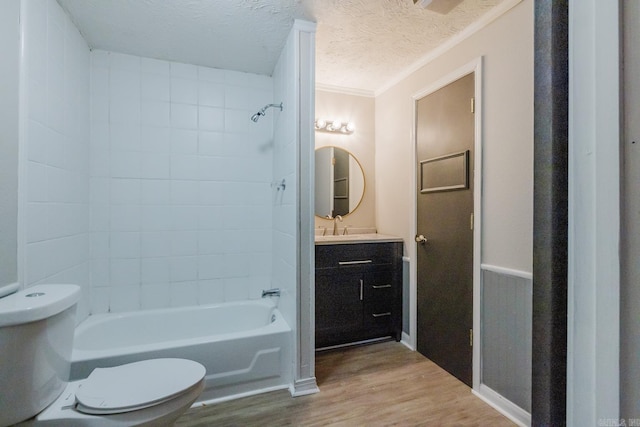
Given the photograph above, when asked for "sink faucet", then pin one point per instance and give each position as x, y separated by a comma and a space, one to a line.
335, 224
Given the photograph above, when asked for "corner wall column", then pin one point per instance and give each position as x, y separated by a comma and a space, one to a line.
305, 381
550, 225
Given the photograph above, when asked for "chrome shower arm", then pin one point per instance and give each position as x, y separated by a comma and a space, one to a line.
257, 115
272, 105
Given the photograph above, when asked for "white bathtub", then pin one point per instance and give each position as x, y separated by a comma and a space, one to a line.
245, 346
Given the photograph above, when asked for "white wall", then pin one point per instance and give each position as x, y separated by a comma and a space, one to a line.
356, 183
9, 106
293, 204
181, 196
360, 110
55, 182
323, 173
507, 48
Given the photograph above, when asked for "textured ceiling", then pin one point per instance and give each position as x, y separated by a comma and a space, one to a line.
363, 44
360, 44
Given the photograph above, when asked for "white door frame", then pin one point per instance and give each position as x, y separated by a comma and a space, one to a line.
474, 66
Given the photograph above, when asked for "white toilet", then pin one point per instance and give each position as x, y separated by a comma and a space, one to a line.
36, 340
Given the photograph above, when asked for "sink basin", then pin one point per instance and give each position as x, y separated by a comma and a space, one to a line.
348, 238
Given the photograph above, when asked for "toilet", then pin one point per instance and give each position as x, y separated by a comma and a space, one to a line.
36, 341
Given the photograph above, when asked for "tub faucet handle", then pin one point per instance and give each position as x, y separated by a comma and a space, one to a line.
275, 292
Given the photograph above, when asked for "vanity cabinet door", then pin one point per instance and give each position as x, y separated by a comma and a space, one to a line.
339, 309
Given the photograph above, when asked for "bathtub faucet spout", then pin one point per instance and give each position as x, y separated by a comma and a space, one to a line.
275, 292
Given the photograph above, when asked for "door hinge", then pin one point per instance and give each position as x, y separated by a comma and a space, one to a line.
471, 221
473, 105
333, 161
470, 337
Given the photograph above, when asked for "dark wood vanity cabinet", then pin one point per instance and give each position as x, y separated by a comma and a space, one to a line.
358, 292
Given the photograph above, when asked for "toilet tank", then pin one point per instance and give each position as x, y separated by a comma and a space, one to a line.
36, 339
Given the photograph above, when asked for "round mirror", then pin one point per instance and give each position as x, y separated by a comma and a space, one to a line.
339, 182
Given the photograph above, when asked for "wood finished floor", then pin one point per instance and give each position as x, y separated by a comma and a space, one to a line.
382, 384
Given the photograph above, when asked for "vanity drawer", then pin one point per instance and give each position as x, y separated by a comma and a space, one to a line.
379, 292
379, 285
349, 255
380, 322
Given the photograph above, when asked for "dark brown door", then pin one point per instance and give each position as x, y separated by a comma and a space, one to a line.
445, 138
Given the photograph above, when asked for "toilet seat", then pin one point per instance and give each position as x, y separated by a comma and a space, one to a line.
136, 385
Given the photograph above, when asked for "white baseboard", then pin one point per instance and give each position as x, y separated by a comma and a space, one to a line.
503, 405
406, 340
304, 387
507, 271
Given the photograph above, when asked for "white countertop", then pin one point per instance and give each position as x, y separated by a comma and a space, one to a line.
356, 238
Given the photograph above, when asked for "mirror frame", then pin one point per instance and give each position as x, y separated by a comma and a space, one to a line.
364, 180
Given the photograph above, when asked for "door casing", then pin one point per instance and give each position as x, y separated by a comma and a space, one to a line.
475, 67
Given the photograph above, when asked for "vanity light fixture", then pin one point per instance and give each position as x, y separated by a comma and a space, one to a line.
334, 126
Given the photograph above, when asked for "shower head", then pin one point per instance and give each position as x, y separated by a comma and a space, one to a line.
257, 115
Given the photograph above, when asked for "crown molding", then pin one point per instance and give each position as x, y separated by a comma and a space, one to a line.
345, 90
484, 21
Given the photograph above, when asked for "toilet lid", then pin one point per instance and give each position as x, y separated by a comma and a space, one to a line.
136, 385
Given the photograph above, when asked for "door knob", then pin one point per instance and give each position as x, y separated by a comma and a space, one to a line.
421, 239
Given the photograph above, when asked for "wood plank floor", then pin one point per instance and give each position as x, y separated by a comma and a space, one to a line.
382, 384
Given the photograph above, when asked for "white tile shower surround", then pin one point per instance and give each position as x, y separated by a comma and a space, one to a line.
181, 196
146, 182
283, 263
56, 202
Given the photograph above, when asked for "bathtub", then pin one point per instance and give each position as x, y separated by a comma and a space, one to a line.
245, 346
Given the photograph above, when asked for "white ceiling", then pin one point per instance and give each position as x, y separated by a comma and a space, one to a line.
360, 44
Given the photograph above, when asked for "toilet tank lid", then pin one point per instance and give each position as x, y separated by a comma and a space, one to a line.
137, 385
36, 303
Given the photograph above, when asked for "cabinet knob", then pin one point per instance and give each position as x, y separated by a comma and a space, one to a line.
421, 239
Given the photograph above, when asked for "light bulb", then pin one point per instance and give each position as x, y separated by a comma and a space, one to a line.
320, 124
336, 125
350, 127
